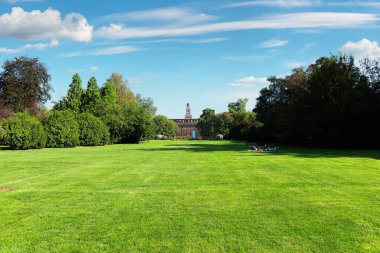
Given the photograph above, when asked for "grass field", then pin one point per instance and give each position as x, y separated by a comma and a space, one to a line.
182, 196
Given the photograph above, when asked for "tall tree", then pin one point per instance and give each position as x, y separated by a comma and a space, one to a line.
207, 124
123, 92
91, 96
147, 104
24, 83
109, 95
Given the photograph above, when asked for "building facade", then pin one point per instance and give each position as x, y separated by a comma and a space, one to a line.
188, 125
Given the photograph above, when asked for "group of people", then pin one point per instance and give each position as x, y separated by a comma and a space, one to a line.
262, 148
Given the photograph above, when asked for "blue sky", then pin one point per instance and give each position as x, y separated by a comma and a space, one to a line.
207, 53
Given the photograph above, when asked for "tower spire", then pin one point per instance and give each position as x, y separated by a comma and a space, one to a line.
188, 112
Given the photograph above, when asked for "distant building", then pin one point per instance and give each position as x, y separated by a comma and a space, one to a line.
188, 125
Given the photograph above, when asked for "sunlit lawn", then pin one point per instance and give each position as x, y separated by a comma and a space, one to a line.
183, 196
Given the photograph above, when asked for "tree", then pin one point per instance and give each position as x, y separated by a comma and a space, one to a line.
23, 131
62, 129
147, 104
207, 124
109, 95
332, 103
92, 130
223, 123
73, 99
91, 97
24, 83
123, 92
165, 126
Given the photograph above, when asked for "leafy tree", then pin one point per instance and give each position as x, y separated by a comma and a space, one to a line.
109, 95
147, 104
23, 131
165, 126
332, 103
91, 97
73, 100
207, 124
123, 92
62, 129
24, 83
223, 123
92, 130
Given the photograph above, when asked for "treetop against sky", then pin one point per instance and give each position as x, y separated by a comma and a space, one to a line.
207, 53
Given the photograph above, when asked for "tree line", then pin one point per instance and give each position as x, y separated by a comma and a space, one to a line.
334, 102
93, 116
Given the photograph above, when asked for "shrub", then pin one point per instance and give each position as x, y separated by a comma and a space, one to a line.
62, 130
92, 130
165, 126
23, 131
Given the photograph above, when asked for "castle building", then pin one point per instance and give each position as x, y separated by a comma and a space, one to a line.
188, 125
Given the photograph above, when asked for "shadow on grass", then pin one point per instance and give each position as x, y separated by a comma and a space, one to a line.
243, 150
201, 147
319, 153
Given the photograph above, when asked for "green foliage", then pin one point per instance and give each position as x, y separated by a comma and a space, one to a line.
332, 103
123, 93
165, 126
130, 124
24, 83
207, 124
92, 130
23, 131
109, 95
91, 97
62, 129
73, 100
147, 104
223, 123
237, 124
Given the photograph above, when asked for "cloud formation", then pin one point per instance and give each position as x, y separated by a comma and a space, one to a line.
37, 25
37, 46
180, 16
363, 48
277, 3
273, 43
304, 20
249, 81
104, 51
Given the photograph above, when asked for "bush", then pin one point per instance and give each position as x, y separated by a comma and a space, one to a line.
92, 130
62, 130
165, 126
23, 131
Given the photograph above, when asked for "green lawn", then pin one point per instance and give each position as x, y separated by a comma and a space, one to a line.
182, 196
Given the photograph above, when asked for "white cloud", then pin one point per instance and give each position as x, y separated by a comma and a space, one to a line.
277, 3
169, 14
251, 95
307, 47
37, 46
73, 71
114, 50
294, 64
249, 81
94, 69
362, 48
136, 80
39, 25
304, 20
356, 3
273, 43
104, 51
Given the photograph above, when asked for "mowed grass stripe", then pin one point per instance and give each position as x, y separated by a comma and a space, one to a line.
182, 196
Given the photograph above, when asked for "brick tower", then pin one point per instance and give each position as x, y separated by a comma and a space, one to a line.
188, 112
